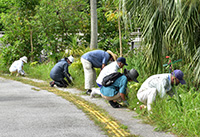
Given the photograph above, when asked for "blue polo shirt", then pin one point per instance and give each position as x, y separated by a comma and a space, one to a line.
97, 58
120, 84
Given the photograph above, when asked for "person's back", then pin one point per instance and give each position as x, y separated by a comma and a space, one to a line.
16, 65
116, 92
111, 68
159, 81
119, 85
58, 69
97, 57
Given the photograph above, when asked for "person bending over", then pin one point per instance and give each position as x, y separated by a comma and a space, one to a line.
60, 71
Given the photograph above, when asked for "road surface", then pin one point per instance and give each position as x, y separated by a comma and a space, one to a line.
28, 112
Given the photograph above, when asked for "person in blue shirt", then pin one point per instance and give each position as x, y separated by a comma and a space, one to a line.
95, 59
116, 92
60, 71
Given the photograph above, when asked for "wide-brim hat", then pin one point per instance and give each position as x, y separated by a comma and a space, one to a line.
24, 58
112, 54
132, 74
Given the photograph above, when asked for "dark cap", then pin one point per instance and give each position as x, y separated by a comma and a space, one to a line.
179, 75
122, 60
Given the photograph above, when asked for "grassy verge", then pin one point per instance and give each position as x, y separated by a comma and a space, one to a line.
168, 115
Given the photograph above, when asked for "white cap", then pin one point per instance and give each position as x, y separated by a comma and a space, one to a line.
24, 58
71, 59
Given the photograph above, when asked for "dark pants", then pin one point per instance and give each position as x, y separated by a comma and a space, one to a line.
61, 83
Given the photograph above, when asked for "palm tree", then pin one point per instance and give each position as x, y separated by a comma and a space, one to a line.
169, 27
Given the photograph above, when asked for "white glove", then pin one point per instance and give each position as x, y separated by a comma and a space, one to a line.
22, 72
71, 78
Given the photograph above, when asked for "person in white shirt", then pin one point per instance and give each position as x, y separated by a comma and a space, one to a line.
17, 66
109, 69
159, 84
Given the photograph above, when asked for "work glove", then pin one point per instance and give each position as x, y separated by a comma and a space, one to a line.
71, 78
126, 103
22, 72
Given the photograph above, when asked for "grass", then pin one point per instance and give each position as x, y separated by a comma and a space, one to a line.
166, 116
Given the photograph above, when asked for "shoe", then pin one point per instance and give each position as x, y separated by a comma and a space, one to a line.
114, 104
52, 83
95, 91
88, 92
92, 94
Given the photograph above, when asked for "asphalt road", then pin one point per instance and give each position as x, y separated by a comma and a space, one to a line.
26, 112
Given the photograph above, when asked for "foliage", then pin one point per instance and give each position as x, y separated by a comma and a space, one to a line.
169, 28
76, 70
165, 114
5, 6
63, 20
17, 27
108, 27
39, 71
178, 114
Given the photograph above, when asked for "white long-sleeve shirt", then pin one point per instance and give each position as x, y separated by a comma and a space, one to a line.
111, 68
16, 66
162, 83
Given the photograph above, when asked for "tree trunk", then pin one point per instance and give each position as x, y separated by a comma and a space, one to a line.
31, 41
94, 36
120, 39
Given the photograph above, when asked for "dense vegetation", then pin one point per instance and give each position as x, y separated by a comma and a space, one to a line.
62, 28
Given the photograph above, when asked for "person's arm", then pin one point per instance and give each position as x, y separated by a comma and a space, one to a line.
105, 60
123, 96
124, 99
66, 72
122, 90
162, 88
103, 65
19, 66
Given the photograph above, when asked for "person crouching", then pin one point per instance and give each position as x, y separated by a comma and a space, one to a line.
116, 92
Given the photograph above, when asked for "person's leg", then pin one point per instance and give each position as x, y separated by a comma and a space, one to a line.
13, 72
114, 104
151, 97
61, 83
147, 96
94, 78
95, 91
88, 73
52, 83
113, 100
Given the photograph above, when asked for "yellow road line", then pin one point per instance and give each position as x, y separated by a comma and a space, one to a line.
111, 125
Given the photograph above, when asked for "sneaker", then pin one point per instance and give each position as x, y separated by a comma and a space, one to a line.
114, 104
88, 92
95, 91
92, 94
52, 83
